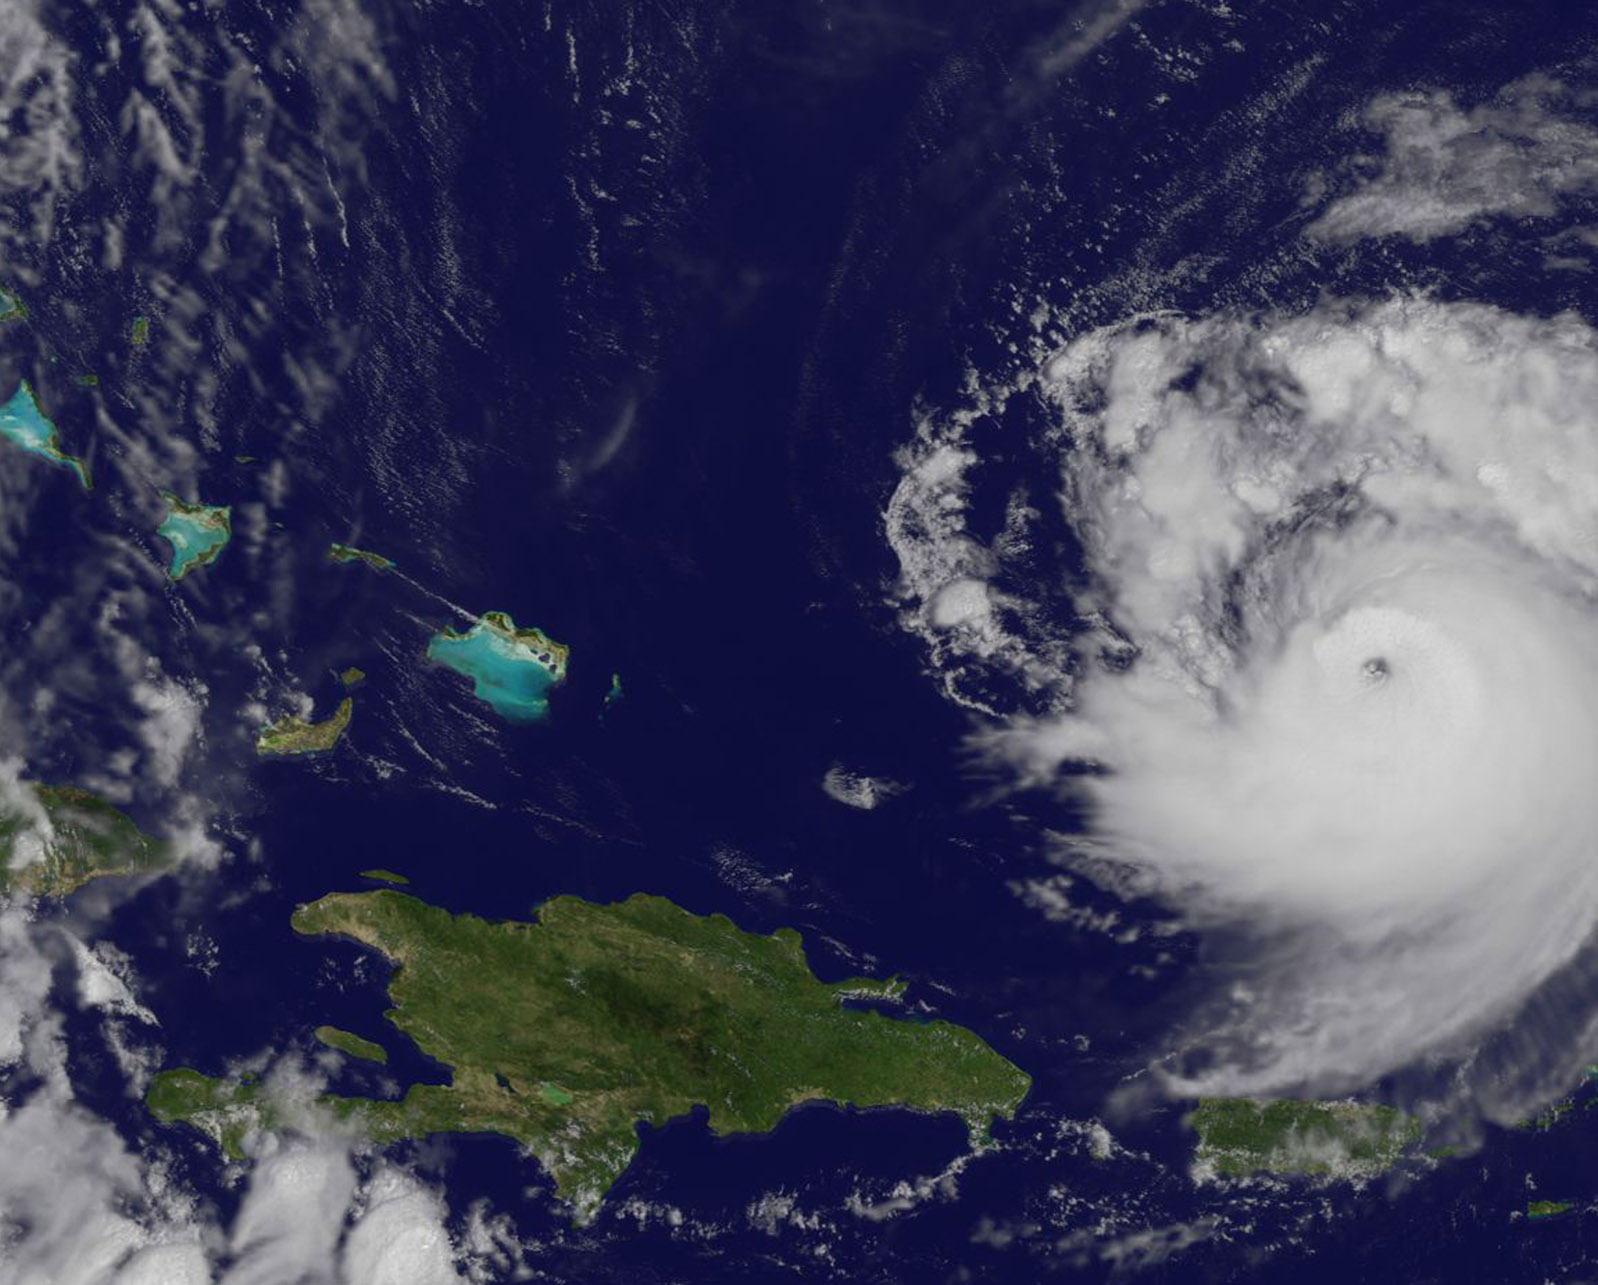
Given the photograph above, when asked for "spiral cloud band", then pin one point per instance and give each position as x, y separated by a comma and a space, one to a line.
1344, 686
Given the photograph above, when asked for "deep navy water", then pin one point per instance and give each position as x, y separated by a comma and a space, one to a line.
641, 385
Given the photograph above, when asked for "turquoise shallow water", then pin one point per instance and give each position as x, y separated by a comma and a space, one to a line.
23, 423
195, 536
505, 674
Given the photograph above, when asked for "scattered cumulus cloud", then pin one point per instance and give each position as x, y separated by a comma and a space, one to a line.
857, 790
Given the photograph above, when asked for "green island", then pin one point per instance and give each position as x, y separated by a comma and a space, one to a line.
349, 553
1238, 1136
86, 838
86, 381
352, 676
197, 533
512, 670
23, 423
566, 1032
1547, 1208
613, 694
291, 735
11, 306
384, 876
354, 1045
139, 332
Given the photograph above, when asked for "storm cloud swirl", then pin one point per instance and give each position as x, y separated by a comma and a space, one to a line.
1340, 680
1356, 552
1301, 605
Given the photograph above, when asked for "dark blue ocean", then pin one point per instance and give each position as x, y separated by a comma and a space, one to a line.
622, 316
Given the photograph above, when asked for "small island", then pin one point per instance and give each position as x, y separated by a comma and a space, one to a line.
352, 677
1344, 1140
1539, 1209
197, 533
11, 306
353, 1045
385, 876
565, 1032
76, 836
139, 332
291, 735
349, 553
22, 422
512, 670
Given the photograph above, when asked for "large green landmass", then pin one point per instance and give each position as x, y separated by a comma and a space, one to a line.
1238, 1136
87, 838
565, 1033
293, 735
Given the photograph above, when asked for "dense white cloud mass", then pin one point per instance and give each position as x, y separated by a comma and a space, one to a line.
1446, 167
67, 1184
289, 1227
400, 1237
79, 1205
25, 976
180, 1263
1356, 552
75, 1204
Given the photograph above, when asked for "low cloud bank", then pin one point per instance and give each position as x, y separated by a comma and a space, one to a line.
1518, 155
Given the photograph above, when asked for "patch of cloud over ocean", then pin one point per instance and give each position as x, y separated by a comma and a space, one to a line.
1299, 607
79, 1205
1444, 166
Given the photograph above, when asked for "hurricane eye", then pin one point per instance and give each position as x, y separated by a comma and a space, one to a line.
1375, 669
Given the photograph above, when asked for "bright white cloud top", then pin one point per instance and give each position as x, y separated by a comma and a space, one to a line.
1341, 665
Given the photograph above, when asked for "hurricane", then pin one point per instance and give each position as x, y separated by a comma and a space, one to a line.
1331, 678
